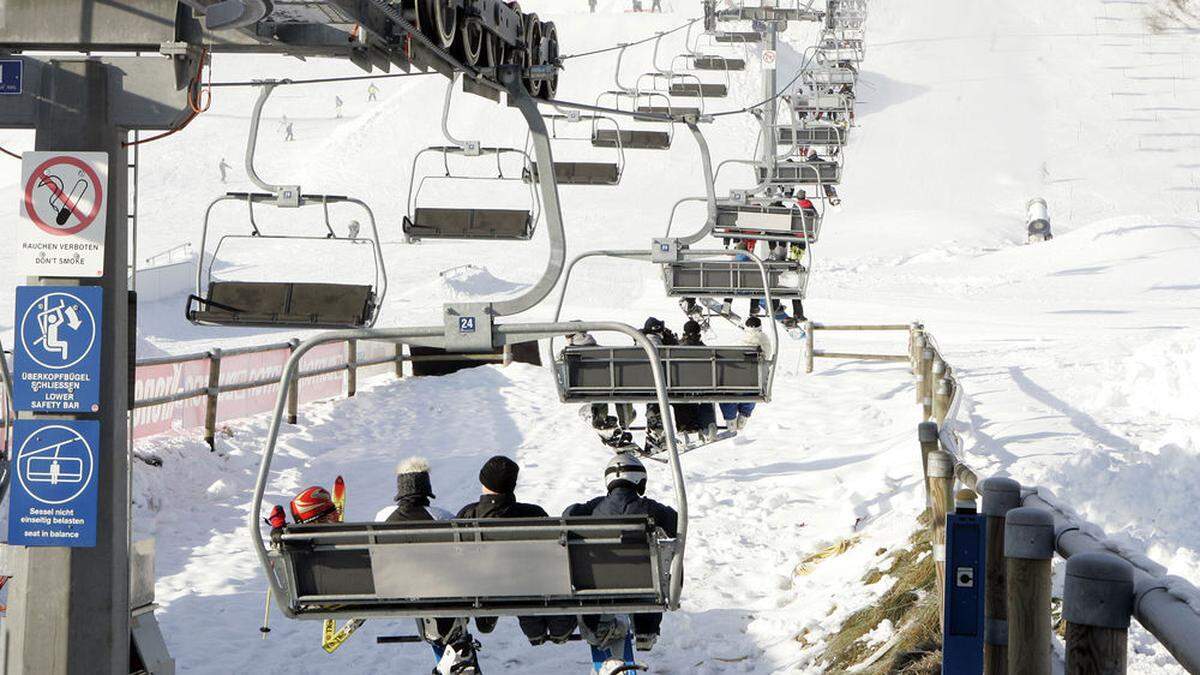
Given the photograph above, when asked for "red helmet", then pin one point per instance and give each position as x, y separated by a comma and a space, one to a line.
312, 505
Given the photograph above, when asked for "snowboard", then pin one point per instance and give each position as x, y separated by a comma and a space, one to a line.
717, 308
614, 658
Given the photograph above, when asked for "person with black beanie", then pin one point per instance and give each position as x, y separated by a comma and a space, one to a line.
498, 480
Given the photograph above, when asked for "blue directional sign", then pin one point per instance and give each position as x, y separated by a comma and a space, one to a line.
54, 478
12, 71
56, 358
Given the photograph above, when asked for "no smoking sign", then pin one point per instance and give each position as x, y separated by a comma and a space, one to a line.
63, 206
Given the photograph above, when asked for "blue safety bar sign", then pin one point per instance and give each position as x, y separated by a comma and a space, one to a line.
55, 474
56, 356
466, 324
12, 71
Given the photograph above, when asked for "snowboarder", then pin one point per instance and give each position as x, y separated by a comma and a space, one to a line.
223, 167
738, 414
453, 646
337, 105
372, 93
625, 481
498, 480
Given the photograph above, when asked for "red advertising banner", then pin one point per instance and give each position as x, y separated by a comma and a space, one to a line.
329, 385
163, 380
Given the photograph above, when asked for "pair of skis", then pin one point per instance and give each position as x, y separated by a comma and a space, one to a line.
333, 637
792, 326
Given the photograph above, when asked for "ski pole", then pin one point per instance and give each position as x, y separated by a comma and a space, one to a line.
266, 624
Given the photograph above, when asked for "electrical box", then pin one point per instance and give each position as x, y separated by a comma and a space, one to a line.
665, 250
966, 551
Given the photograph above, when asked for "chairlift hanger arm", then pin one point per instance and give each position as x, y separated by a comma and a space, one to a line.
519, 333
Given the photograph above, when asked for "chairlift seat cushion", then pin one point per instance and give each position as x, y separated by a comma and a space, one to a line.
667, 110
475, 567
699, 90
823, 134
748, 36
492, 224
286, 304
583, 173
632, 139
717, 63
598, 374
771, 223
824, 172
726, 278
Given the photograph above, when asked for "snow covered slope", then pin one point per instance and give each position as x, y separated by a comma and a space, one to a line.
1080, 355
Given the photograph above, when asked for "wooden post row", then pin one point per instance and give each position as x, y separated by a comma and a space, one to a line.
927, 434
927, 386
918, 350
1000, 495
399, 347
1028, 550
210, 404
1098, 595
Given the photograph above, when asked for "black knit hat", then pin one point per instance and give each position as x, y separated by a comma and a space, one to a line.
412, 479
692, 327
499, 474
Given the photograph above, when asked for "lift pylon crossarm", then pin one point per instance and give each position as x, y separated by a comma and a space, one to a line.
643, 574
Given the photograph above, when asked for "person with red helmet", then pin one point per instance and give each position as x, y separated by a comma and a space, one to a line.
314, 505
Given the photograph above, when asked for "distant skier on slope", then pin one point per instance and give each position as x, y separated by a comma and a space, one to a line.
372, 93
625, 479
498, 479
452, 643
337, 105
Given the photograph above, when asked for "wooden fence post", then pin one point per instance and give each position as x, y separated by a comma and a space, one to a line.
940, 399
927, 434
508, 357
810, 341
351, 367
399, 347
1028, 549
293, 400
918, 350
1097, 605
1000, 495
926, 401
210, 404
939, 466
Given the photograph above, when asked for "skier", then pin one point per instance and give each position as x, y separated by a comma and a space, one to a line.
372, 93
611, 429
830, 192
659, 334
738, 414
498, 479
625, 481
289, 132
451, 640
656, 6
592, 6
337, 105
223, 167
695, 417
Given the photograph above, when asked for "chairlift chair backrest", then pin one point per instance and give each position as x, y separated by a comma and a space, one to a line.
582, 172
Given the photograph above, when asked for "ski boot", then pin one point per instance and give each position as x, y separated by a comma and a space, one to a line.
644, 642
618, 439
460, 658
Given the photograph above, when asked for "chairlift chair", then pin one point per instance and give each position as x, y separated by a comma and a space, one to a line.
280, 304
738, 37
830, 76
470, 567
807, 133
582, 173
752, 220
635, 139
822, 172
470, 222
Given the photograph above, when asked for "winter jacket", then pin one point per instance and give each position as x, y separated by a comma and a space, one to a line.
501, 506
755, 337
412, 510
582, 340
625, 501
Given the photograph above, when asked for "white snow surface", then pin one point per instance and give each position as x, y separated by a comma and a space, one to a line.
1079, 356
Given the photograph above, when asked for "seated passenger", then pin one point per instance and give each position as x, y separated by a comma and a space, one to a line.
450, 639
611, 429
625, 480
738, 414
498, 478
695, 417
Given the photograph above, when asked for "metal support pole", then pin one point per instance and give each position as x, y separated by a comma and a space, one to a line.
1000, 495
767, 146
210, 404
68, 608
399, 347
293, 392
1097, 604
1029, 548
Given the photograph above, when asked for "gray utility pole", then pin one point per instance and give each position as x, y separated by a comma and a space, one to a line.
769, 146
68, 608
